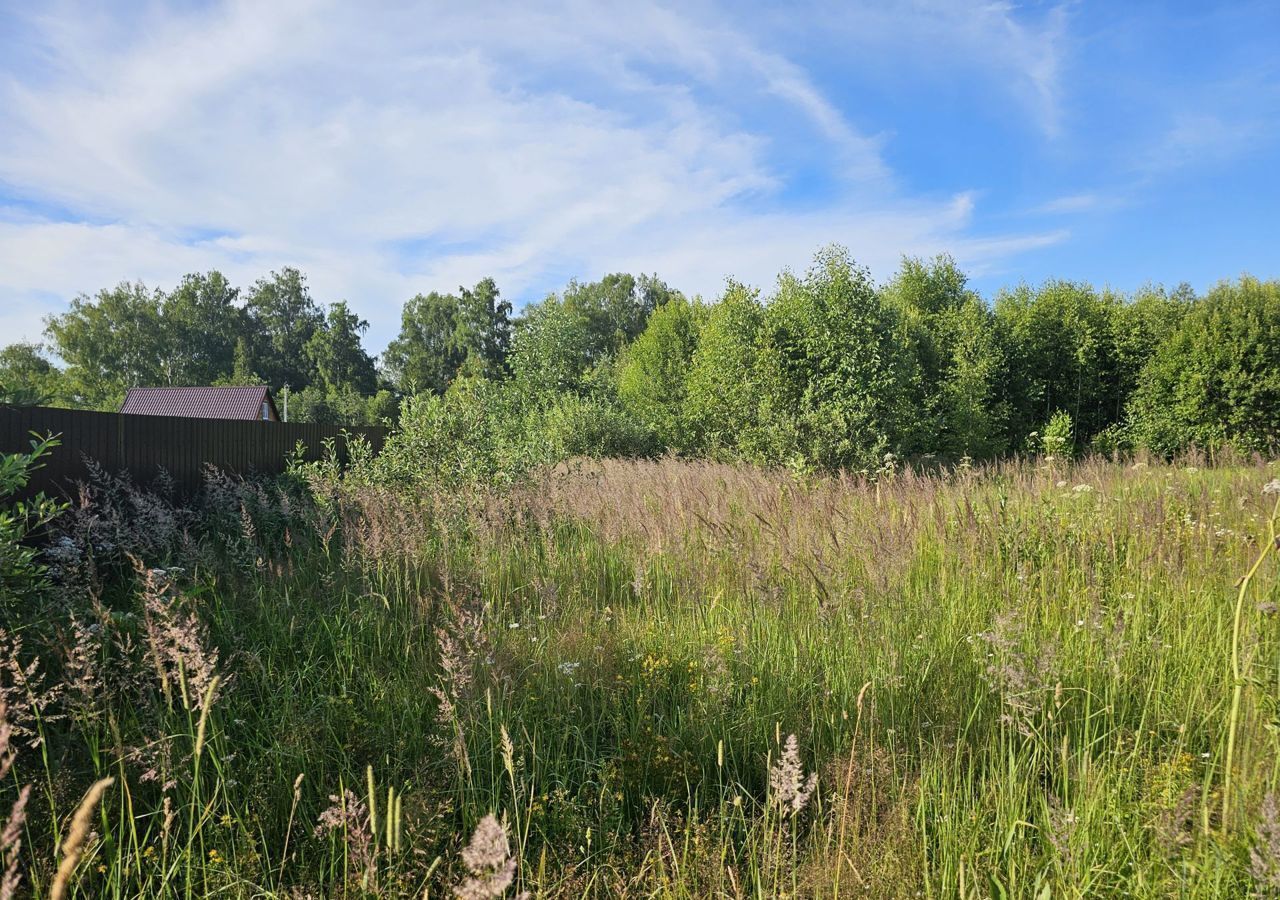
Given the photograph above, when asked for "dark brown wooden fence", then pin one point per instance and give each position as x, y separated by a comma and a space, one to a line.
143, 445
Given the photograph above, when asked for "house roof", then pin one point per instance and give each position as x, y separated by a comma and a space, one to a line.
199, 402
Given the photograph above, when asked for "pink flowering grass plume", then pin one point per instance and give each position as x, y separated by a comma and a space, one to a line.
348, 817
789, 789
489, 861
11, 833
177, 643
29, 699
82, 675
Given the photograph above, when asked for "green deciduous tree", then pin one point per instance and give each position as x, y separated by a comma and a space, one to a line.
282, 319
27, 377
614, 309
956, 409
111, 342
341, 406
724, 390
425, 355
337, 354
203, 323
443, 335
653, 371
1217, 378
1060, 355
1139, 326
551, 349
835, 377
483, 331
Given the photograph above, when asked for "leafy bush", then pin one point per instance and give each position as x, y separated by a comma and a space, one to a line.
1060, 355
654, 371
21, 569
588, 426
723, 389
341, 405
834, 385
956, 362
1217, 379
476, 433
1058, 436
1110, 441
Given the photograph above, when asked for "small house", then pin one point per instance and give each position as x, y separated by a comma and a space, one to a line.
245, 404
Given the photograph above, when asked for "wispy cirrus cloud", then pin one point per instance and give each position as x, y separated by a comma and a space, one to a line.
387, 150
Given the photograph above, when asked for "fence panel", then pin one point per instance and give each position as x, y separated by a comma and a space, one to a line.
143, 445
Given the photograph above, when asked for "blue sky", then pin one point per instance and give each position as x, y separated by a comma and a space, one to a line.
387, 149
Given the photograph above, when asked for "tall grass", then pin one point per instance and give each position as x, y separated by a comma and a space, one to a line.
673, 679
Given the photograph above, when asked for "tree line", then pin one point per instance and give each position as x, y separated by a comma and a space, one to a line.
829, 370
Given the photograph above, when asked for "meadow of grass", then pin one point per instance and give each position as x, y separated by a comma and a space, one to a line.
668, 678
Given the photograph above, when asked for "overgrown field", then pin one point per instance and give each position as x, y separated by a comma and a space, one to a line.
662, 679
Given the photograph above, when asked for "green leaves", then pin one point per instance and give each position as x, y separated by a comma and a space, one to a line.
111, 342
1216, 379
442, 336
21, 571
834, 379
652, 376
335, 351
723, 390
27, 378
954, 397
830, 371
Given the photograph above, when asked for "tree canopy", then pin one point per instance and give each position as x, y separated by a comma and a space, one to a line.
826, 370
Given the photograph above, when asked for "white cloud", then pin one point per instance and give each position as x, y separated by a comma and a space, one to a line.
384, 151
1202, 137
1022, 52
1071, 203
1085, 202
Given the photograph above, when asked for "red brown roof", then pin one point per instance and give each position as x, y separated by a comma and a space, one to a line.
243, 403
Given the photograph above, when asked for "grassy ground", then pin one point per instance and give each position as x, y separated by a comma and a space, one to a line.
1034, 681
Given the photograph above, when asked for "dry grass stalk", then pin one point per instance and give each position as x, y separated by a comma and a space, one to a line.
1264, 856
11, 834
288, 832
73, 845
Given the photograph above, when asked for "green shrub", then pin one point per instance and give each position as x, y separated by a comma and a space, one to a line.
1217, 379
1111, 440
475, 433
723, 388
654, 369
588, 426
21, 569
1058, 436
834, 381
